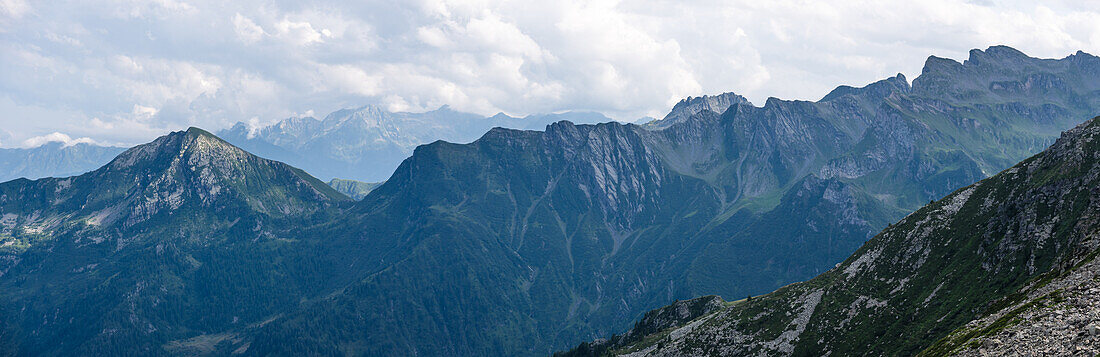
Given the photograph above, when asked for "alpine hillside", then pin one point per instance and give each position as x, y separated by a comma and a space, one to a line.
1006, 266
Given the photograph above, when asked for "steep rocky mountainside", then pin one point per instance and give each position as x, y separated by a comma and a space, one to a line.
54, 159
171, 238
368, 143
1004, 266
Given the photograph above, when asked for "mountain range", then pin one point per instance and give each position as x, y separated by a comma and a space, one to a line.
521, 242
368, 143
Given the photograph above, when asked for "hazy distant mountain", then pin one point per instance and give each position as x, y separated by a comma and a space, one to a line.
368, 143
54, 159
1004, 267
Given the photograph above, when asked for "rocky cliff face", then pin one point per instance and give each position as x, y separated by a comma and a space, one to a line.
1011, 258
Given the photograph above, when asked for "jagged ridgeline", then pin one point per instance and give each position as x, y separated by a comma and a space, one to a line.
956, 276
519, 243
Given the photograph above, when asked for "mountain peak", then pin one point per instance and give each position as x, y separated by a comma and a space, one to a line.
995, 54
691, 105
935, 64
196, 162
176, 143
368, 112
501, 116
882, 88
189, 171
198, 132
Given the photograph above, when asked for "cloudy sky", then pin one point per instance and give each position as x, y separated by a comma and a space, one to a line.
125, 71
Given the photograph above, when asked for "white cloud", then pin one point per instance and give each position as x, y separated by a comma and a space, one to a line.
128, 70
14, 8
141, 111
55, 137
247, 30
298, 33
348, 79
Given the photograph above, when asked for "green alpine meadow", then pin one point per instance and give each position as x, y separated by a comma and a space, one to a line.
950, 214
